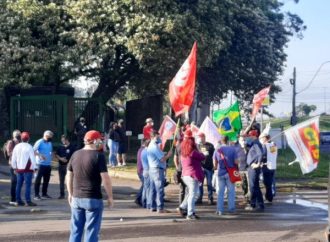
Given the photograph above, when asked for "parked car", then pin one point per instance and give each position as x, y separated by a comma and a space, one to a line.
325, 138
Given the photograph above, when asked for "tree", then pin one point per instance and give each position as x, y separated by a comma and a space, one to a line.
305, 109
140, 45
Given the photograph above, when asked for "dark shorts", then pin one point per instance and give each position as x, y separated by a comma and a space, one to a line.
122, 149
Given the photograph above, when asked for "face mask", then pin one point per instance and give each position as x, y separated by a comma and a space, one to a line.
158, 141
198, 140
18, 137
49, 139
248, 141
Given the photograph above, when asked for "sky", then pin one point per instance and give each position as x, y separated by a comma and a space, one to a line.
307, 55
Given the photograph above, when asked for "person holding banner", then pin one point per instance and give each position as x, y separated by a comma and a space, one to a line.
192, 174
157, 165
254, 161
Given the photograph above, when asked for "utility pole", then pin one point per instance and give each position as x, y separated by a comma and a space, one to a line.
294, 93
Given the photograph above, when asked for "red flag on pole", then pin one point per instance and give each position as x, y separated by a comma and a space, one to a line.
258, 99
182, 87
166, 130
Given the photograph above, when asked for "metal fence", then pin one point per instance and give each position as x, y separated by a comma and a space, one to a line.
57, 113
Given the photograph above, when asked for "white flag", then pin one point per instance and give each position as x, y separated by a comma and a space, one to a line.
304, 140
211, 132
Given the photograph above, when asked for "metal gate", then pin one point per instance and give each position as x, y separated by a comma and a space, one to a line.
57, 113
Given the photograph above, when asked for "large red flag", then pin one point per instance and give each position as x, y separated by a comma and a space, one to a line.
182, 87
166, 130
258, 99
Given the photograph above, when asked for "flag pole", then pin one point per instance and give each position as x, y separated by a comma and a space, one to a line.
176, 132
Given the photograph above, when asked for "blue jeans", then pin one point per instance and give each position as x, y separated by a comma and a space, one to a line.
268, 182
113, 150
86, 213
21, 178
146, 195
208, 176
255, 191
192, 196
157, 180
140, 192
223, 182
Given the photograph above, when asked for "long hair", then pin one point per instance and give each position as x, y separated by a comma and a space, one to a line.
188, 145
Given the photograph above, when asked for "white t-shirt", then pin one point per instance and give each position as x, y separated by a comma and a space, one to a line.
271, 155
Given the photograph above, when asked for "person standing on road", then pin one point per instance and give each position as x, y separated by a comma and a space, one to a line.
122, 146
80, 130
269, 167
43, 149
192, 174
24, 164
254, 161
148, 128
10, 145
207, 149
157, 165
113, 144
87, 169
225, 154
63, 154
139, 201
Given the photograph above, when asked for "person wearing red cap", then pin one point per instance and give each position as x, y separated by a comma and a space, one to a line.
254, 162
24, 163
87, 169
207, 149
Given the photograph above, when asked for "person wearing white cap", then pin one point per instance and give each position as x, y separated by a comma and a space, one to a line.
148, 128
43, 149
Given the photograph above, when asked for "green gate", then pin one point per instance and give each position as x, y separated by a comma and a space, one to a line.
57, 113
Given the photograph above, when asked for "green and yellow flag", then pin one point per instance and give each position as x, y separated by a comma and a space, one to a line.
229, 121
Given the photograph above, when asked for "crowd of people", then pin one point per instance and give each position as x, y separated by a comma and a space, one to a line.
84, 168
196, 160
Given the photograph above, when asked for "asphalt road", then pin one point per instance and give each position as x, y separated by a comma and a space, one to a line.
301, 216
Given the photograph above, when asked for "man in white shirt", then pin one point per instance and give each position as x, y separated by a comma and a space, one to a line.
269, 167
24, 164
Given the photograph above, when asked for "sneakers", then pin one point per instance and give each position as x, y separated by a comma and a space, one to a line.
30, 204
46, 196
181, 211
250, 208
37, 198
192, 217
19, 203
12, 203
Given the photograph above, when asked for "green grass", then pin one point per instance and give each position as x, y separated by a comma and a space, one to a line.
285, 122
293, 171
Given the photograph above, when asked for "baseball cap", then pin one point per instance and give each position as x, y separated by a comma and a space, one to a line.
92, 135
253, 132
149, 120
25, 136
48, 133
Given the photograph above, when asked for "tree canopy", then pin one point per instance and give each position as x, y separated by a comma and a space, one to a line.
140, 44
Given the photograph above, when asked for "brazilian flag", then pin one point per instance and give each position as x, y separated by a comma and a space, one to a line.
229, 121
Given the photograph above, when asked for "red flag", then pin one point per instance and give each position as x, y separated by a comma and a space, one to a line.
166, 130
258, 99
182, 87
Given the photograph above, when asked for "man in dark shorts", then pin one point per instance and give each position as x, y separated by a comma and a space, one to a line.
63, 154
122, 148
87, 169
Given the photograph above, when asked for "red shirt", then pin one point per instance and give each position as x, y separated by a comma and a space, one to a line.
147, 131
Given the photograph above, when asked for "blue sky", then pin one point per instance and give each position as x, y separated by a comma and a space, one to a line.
307, 55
